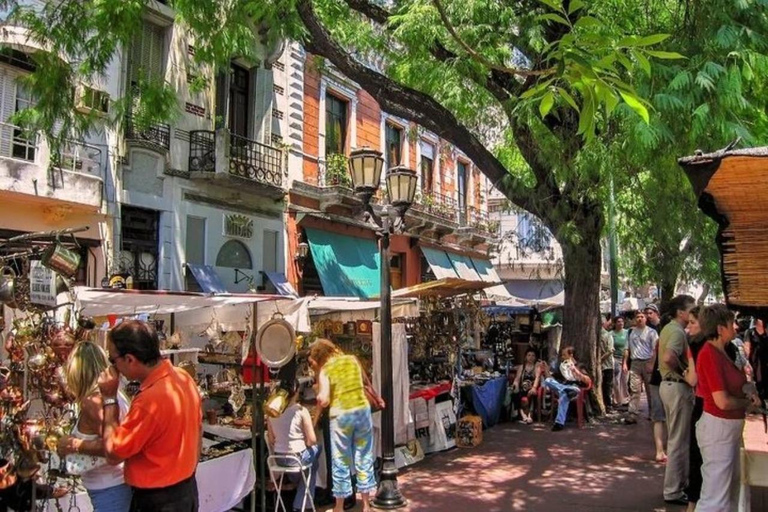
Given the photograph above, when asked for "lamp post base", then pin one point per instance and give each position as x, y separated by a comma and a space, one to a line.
388, 495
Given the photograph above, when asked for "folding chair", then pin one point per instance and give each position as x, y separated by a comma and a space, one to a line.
278, 471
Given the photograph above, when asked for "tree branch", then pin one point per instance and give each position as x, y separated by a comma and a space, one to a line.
414, 105
501, 84
480, 58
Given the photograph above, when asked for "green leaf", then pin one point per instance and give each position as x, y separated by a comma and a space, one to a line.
553, 4
665, 55
651, 40
643, 62
587, 117
575, 6
554, 17
586, 21
568, 98
546, 104
635, 104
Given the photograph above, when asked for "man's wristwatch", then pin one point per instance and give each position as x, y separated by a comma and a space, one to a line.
108, 401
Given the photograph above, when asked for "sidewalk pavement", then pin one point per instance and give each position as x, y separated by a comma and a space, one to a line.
602, 467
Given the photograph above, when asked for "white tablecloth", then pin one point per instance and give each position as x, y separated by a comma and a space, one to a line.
221, 483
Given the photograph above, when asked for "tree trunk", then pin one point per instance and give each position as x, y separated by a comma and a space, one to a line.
582, 302
668, 289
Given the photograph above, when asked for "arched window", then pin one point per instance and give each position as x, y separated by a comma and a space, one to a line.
234, 254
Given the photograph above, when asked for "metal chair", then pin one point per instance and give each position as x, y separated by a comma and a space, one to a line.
277, 472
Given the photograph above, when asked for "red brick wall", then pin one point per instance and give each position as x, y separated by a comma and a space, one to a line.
311, 120
368, 121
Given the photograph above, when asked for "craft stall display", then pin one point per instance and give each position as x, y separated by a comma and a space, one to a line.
39, 327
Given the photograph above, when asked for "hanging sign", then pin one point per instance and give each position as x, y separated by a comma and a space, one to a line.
42, 284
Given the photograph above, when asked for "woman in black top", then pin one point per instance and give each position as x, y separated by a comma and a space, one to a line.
526, 384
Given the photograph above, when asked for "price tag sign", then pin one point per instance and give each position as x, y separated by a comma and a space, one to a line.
42, 284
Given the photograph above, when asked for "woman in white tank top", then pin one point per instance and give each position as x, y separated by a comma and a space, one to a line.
292, 433
104, 483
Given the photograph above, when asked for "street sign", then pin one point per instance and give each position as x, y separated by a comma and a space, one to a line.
42, 284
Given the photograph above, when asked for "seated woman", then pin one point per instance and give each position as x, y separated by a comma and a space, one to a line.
526, 385
292, 433
567, 384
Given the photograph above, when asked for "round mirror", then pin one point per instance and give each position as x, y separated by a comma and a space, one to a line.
276, 342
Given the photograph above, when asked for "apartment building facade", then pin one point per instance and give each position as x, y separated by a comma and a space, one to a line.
447, 231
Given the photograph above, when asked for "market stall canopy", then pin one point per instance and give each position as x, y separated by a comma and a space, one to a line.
101, 302
722, 182
348, 266
402, 307
446, 287
450, 265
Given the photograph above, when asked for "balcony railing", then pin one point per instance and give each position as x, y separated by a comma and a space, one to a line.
248, 159
202, 151
479, 219
255, 161
157, 134
439, 205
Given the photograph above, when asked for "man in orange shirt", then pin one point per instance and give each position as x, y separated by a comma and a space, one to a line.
160, 437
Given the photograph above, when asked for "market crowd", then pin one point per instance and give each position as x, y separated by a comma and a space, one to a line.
140, 454
701, 376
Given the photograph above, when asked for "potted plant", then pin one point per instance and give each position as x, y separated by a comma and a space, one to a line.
337, 170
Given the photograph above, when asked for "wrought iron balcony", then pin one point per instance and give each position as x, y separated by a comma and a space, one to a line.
156, 134
438, 204
255, 161
222, 154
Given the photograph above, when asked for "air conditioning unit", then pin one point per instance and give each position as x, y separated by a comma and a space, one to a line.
88, 99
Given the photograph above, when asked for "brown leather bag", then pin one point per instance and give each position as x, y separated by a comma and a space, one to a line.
374, 399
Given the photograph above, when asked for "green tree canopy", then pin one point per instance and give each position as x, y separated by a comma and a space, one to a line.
549, 98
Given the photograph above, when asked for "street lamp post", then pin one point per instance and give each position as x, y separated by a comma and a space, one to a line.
365, 166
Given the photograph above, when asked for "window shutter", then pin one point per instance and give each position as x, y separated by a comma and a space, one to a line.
7, 108
428, 150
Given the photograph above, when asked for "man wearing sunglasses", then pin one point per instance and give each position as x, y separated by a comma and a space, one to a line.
159, 439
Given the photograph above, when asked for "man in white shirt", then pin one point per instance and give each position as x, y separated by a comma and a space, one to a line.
642, 342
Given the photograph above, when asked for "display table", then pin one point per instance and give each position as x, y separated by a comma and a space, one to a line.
754, 466
431, 391
222, 483
488, 399
231, 433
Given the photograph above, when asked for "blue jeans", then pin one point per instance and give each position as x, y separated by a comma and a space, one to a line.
310, 456
111, 499
563, 401
352, 441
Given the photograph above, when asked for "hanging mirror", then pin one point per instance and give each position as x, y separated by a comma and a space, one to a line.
276, 342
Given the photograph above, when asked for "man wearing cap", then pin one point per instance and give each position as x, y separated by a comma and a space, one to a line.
652, 317
160, 437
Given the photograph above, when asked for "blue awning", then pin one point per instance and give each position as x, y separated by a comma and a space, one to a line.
537, 290
281, 284
464, 267
439, 263
348, 266
207, 278
485, 270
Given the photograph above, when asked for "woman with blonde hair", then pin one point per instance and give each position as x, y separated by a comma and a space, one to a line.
340, 380
84, 446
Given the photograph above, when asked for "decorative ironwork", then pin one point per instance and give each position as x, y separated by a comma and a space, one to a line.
255, 161
157, 134
202, 151
140, 241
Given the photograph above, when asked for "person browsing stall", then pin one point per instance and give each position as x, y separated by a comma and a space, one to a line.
292, 433
720, 430
160, 437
